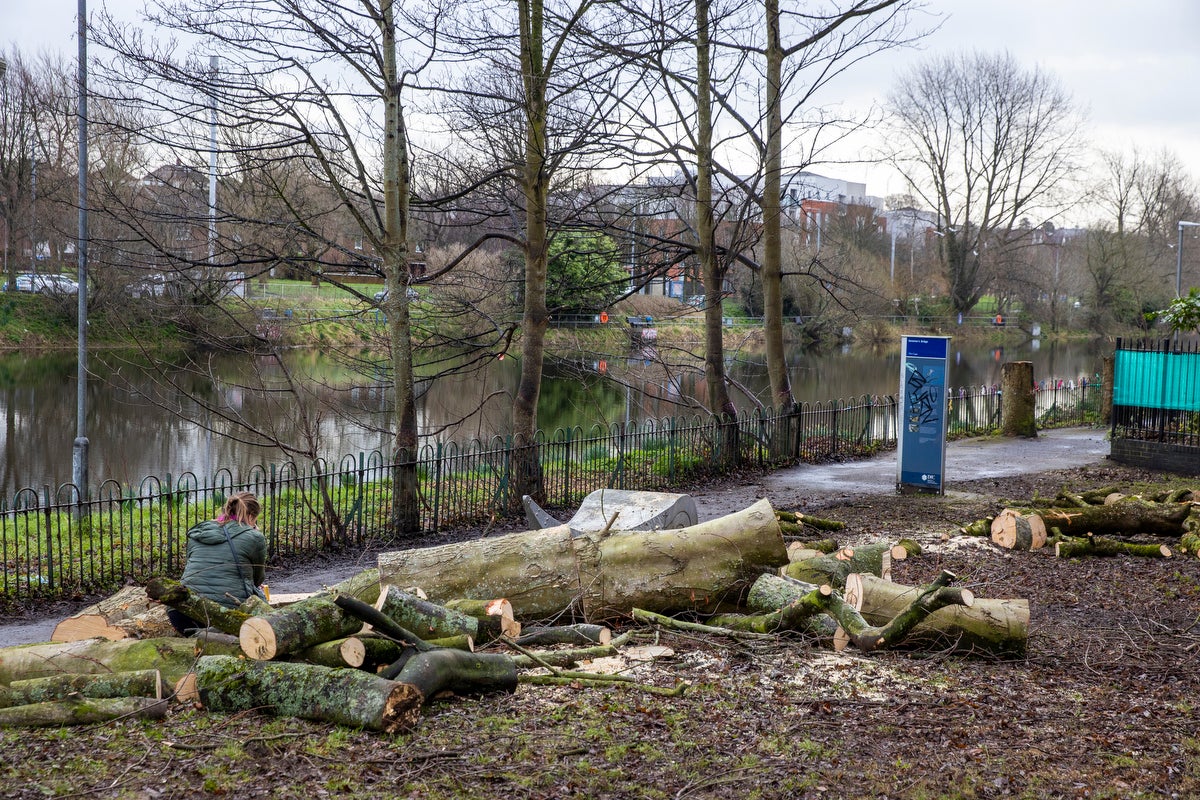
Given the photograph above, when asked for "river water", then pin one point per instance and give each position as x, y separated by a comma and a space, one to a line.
200, 420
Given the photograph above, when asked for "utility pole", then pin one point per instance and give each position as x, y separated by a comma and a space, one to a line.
79, 449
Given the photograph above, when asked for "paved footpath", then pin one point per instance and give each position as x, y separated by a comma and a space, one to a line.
966, 459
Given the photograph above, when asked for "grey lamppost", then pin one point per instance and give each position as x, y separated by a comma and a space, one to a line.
79, 449
1179, 256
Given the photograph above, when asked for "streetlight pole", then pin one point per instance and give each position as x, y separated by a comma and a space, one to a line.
1179, 256
4, 83
79, 449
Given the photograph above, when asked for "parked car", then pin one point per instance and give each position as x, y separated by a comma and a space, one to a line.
45, 283
410, 293
153, 285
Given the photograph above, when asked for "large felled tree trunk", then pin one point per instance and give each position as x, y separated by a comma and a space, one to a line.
546, 572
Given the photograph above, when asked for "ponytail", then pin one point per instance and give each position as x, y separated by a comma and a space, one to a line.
243, 507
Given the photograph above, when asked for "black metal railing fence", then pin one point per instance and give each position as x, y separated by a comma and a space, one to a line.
55, 545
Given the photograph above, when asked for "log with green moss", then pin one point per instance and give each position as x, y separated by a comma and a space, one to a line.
171, 656
989, 627
423, 617
796, 518
296, 627
800, 616
139, 683
208, 613
81, 711
1074, 547
875, 559
350, 697
1189, 543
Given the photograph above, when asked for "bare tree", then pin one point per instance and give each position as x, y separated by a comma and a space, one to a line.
542, 100
310, 82
986, 143
820, 47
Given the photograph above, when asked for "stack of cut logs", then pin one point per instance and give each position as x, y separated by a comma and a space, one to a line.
371, 651
1101, 522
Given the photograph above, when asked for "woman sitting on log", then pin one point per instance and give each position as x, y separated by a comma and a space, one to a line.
226, 558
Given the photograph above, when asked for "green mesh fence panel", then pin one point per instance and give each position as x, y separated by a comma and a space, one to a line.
1157, 380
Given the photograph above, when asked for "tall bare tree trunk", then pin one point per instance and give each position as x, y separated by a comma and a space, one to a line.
772, 266
527, 471
712, 273
396, 188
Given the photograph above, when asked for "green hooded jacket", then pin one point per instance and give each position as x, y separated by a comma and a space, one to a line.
210, 569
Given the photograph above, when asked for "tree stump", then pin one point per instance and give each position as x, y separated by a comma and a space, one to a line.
1017, 400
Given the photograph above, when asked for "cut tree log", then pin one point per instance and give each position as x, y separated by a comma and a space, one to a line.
1102, 546
895, 632
875, 559
296, 627
423, 617
140, 683
345, 696
81, 711
601, 576
1016, 531
1128, 516
996, 628
347, 652
207, 612
128, 614
173, 657
495, 617
582, 634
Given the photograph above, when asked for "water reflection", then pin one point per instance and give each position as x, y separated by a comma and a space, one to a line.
204, 418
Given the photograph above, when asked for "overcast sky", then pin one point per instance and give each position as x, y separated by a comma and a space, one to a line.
1133, 66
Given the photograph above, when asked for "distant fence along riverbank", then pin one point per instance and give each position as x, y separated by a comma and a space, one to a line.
53, 545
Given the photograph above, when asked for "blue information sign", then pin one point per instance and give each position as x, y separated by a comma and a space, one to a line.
921, 452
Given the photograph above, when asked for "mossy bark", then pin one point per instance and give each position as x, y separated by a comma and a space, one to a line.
423, 617
296, 627
139, 683
81, 711
348, 697
990, 627
171, 656
875, 559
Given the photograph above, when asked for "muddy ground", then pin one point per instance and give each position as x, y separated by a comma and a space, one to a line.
1104, 704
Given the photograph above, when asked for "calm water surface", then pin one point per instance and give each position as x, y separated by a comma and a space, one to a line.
139, 426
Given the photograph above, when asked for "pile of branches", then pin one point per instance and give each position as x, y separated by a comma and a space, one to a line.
1099, 522
374, 650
